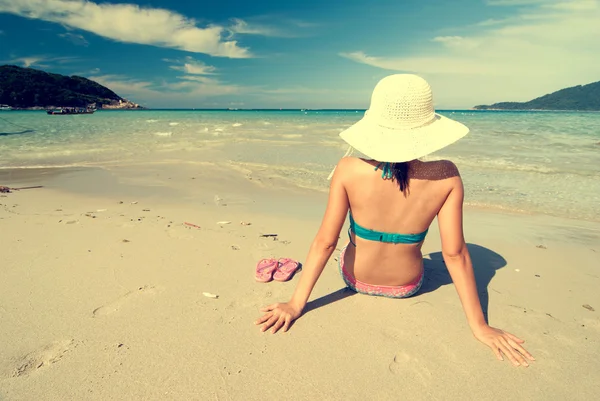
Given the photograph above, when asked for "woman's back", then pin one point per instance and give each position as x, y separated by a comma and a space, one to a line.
379, 204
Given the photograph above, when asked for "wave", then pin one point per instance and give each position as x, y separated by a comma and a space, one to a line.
505, 165
49, 165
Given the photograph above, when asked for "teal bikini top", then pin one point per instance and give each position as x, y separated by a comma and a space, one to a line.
380, 236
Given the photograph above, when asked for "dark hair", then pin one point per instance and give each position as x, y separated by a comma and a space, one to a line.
400, 172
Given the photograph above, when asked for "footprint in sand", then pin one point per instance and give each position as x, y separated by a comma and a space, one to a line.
409, 367
41, 358
116, 305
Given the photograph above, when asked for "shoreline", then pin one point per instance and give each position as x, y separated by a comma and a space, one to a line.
538, 110
37, 175
44, 108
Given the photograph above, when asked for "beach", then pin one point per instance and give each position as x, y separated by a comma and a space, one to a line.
171, 173
110, 272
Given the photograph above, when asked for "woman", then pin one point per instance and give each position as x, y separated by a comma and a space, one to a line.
392, 198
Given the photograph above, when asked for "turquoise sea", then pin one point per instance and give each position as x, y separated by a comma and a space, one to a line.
533, 162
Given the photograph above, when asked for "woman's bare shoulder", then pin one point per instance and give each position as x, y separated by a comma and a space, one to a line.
352, 164
434, 170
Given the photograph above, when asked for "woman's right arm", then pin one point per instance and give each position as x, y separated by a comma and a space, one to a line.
458, 261
280, 316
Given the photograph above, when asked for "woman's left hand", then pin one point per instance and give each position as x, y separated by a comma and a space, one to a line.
278, 316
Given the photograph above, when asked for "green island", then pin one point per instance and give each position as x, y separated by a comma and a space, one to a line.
576, 98
28, 88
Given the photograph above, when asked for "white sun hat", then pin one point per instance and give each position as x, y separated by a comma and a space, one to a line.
401, 123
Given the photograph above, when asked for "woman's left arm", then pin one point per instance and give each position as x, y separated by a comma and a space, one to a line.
279, 316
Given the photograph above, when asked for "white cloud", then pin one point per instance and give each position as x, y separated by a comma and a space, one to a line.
491, 21
203, 89
198, 83
188, 91
517, 2
421, 64
457, 42
240, 26
75, 38
131, 24
124, 86
196, 78
199, 90
263, 26
535, 52
27, 61
548, 4
191, 66
40, 61
577, 5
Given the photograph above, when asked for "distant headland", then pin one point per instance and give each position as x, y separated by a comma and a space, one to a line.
28, 88
576, 98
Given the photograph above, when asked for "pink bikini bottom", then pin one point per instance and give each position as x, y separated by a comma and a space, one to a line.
402, 291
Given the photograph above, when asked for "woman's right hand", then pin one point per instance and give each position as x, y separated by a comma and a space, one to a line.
502, 342
277, 316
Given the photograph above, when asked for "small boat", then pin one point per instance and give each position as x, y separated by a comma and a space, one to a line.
70, 111
5, 107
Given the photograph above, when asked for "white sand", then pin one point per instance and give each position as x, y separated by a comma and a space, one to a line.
85, 315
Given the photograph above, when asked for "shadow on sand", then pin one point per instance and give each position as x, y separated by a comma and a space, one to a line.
485, 264
338, 295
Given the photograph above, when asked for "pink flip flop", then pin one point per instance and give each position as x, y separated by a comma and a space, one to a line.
287, 268
264, 270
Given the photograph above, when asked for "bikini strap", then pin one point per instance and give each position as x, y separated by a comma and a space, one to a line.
350, 236
387, 172
351, 228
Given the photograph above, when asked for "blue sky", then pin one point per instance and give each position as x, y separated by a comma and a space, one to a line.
311, 53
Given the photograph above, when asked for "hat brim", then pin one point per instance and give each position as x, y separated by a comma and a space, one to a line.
392, 145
